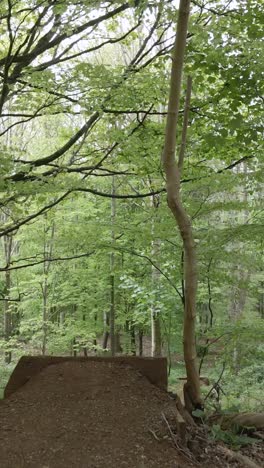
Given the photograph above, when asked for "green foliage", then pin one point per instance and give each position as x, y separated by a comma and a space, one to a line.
236, 441
54, 89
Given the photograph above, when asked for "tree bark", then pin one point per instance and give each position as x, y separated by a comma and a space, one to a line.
106, 330
140, 342
239, 292
47, 253
7, 316
172, 171
112, 274
155, 313
132, 338
8, 245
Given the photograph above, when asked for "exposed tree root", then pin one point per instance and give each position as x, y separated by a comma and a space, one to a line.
236, 456
241, 421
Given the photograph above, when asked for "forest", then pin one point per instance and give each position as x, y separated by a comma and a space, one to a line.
131, 197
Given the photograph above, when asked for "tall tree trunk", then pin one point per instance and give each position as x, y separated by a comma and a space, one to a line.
155, 312
173, 170
242, 276
45, 315
47, 253
7, 316
155, 333
8, 244
112, 273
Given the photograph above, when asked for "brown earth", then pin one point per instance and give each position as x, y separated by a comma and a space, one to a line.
94, 415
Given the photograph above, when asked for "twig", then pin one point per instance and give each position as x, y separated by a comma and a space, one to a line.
186, 453
154, 435
170, 431
216, 384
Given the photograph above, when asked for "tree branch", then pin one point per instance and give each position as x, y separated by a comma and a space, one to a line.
57, 259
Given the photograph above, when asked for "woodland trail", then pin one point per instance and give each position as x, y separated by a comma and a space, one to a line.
92, 415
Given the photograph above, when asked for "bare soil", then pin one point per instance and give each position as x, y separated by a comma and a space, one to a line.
94, 415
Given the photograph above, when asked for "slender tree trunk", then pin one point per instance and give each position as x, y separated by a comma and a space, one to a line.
261, 301
112, 274
155, 312
242, 275
140, 343
8, 245
132, 338
118, 346
7, 316
44, 316
112, 306
95, 326
173, 170
61, 318
74, 351
155, 333
48, 249
106, 330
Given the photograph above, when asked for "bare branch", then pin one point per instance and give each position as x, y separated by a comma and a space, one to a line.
49, 260
14, 227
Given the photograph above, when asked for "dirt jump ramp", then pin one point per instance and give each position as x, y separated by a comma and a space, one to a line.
154, 369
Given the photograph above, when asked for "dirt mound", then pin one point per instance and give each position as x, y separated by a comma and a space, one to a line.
86, 415
91, 414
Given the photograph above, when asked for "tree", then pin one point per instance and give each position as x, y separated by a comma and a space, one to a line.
173, 172
93, 107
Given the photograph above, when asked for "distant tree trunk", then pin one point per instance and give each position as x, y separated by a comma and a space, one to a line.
74, 350
61, 318
54, 314
133, 338
140, 343
112, 306
8, 244
173, 170
261, 301
47, 253
155, 312
118, 347
155, 334
260, 304
106, 330
242, 275
7, 316
95, 325
112, 274
44, 315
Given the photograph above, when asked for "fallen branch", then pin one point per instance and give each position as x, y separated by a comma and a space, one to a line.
154, 435
186, 453
170, 431
243, 421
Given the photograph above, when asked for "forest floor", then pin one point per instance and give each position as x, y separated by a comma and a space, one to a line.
113, 418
